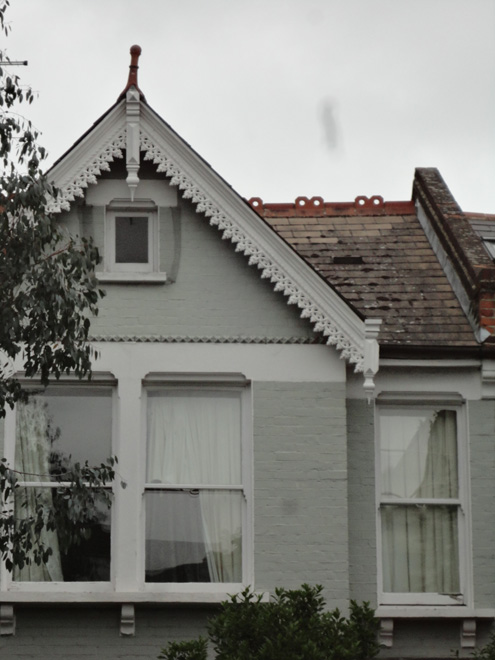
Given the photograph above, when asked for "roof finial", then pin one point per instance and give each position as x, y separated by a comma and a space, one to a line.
133, 73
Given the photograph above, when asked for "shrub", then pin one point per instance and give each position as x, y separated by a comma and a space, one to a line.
293, 626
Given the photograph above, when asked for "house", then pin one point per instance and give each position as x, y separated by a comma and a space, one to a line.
296, 393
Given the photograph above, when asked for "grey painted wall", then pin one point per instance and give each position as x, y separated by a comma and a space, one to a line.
300, 476
482, 460
362, 510
80, 632
214, 293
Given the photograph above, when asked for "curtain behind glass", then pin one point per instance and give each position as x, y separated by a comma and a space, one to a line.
194, 438
420, 542
32, 459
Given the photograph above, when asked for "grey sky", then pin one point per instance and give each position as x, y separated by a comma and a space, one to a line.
336, 98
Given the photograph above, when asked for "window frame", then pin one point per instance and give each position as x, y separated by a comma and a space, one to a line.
200, 383
8, 584
127, 572
132, 271
405, 404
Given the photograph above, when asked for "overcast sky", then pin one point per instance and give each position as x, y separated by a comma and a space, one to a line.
336, 98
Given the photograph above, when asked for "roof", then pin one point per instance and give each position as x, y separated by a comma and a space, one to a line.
380, 259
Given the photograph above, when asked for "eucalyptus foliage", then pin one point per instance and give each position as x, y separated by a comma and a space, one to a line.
293, 626
48, 289
76, 500
48, 294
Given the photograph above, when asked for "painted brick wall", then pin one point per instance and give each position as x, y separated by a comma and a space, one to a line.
215, 292
77, 632
362, 510
430, 640
300, 477
482, 460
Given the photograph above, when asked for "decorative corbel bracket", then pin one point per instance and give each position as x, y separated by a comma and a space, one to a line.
386, 633
7, 620
132, 114
127, 620
371, 355
468, 634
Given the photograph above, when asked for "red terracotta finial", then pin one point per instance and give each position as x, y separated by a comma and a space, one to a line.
133, 73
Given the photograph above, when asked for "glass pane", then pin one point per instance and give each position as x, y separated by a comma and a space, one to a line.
81, 560
419, 453
57, 429
420, 549
193, 536
194, 438
131, 240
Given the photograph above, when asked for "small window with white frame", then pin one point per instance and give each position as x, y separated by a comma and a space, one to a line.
131, 241
423, 531
195, 492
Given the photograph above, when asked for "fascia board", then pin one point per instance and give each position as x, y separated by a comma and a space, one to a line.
326, 310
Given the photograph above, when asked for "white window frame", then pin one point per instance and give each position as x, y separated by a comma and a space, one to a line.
132, 272
127, 568
50, 589
199, 383
406, 404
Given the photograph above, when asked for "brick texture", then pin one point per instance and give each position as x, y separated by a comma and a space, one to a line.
300, 473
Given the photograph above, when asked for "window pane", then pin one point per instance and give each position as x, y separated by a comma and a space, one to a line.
194, 438
86, 560
420, 549
193, 536
131, 240
419, 453
59, 429
54, 431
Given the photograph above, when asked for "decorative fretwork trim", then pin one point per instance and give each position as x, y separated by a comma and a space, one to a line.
328, 314
88, 174
161, 339
255, 253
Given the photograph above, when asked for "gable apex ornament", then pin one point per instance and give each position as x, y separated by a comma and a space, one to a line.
132, 80
133, 96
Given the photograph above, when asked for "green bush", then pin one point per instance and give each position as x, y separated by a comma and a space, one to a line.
488, 651
293, 626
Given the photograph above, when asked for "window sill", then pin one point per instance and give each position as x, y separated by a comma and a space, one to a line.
136, 597
433, 611
132, 278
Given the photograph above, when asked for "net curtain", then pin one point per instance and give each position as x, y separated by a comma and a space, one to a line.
195, 439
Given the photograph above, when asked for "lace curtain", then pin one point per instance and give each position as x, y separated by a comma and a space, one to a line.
420, 541
32, 460
194, 439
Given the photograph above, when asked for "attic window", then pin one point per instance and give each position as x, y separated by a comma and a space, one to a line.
131, 239
132, 242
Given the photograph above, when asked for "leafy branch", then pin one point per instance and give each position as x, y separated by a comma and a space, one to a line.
73, 513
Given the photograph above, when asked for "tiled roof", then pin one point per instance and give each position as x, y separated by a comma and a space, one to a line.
377, 256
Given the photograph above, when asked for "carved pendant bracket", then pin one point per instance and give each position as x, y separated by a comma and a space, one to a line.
132, 114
